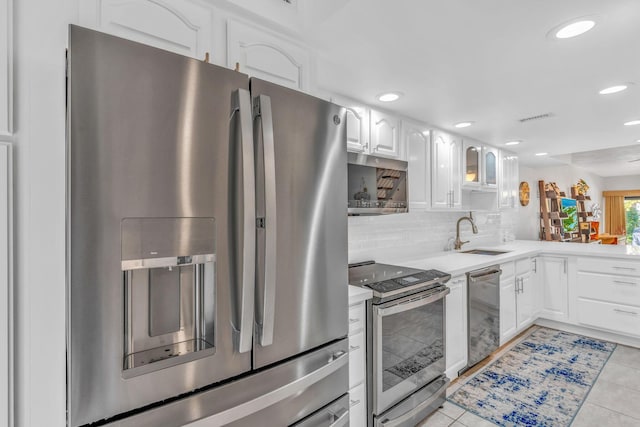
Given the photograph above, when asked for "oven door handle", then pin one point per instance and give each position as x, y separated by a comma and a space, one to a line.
411, 304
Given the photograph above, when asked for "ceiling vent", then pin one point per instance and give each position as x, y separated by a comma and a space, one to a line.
538, 117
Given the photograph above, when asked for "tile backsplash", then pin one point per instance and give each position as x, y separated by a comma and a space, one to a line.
393, 238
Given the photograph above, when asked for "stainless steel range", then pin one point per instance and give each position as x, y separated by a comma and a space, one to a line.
405, 341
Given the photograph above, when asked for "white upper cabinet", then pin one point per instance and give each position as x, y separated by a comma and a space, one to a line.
6, 67
509, 180
180, 26
490, 167
471, 160
266, 55
385, 135
357, 124
445, 171
417, 140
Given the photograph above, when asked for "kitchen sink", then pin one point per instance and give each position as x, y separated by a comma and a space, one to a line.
484, 252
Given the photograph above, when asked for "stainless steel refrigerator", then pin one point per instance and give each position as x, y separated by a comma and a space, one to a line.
206, 244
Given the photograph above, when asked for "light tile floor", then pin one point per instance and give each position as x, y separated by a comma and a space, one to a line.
614, 399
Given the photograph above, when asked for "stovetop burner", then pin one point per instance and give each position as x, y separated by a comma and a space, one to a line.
389, 280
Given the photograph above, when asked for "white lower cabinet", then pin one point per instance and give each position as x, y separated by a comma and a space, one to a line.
357, 365
518, 295
456, 324
358, 406
608, 293
507, 302
554, 281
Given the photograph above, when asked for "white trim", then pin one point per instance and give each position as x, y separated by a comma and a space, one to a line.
6, 127
593, 333
6, 284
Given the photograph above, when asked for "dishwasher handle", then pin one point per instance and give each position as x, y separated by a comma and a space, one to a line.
477, 275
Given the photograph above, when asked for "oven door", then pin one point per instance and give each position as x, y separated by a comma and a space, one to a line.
408, 346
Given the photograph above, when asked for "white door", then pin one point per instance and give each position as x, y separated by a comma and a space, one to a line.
490, 167
456, 172
507, 308
385, 135
265, 55
525, 300
554, 281
441, 193
357, 129
416, 138
183, 27
6, 67
456, 337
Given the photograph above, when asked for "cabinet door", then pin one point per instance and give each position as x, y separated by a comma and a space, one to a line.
358, 406
471, 159
489, 167
507, 308
418, 155
267, 56
357, 129
554, 281
385, 135
446, 189
525, 300
456, 321
6, 67
181, 26
508, 183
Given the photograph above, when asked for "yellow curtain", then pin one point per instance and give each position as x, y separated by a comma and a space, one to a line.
615, 222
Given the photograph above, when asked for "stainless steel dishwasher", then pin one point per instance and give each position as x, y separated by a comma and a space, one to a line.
483, 305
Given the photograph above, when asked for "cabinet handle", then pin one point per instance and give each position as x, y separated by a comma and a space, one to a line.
620, 282
625, 268
565, 266
633, 313
535, 265
353, 348
353, 403
366, 145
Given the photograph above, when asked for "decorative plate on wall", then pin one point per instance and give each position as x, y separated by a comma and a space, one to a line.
524, 193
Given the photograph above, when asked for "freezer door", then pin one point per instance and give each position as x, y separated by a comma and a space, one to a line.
159, 196
301, 193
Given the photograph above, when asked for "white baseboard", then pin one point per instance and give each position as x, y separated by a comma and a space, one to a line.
594, 333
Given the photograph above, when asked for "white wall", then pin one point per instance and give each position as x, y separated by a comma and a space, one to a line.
629, 182
398, 237
528, 224
41, 39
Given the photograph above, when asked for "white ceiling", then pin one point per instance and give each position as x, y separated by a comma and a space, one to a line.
490, 62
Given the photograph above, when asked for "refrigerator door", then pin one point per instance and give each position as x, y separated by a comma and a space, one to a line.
160, 188
301, 193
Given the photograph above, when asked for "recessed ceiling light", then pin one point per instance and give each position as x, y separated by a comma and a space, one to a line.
541, 154
574, 28
463, 124
389, 97
632, 123
512, 143
613, 89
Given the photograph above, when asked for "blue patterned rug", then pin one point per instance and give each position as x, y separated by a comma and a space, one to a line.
542, 381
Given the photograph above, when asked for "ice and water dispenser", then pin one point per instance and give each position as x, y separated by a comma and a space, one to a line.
168, 269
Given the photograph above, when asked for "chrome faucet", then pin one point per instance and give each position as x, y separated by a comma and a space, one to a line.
458, 243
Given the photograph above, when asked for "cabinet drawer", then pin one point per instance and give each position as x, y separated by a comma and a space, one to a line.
618, 318
356, 359
508, 270
611, 266
356, 318
616, 289
357, 406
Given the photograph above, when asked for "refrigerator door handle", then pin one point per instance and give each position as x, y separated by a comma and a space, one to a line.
263, 109
241, 106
